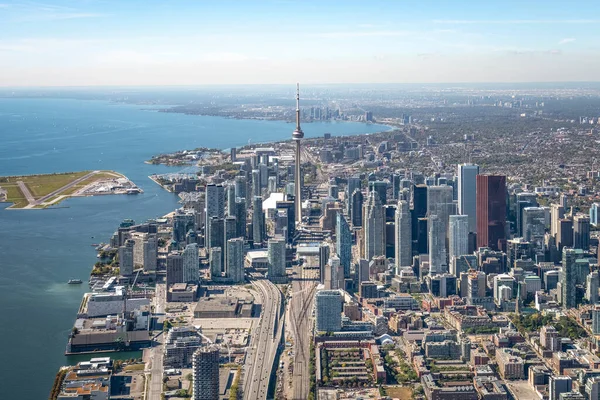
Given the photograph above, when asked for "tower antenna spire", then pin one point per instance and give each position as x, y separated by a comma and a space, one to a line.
298, 108
297, 136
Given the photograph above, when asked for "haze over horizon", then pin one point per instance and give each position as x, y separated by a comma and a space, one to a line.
135, 43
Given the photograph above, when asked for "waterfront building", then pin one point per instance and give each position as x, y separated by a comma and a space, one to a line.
145, 251
126, 258
206, 373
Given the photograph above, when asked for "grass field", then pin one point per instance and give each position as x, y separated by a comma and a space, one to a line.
41, 185
399, 392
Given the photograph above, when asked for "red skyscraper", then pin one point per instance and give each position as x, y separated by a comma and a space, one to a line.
491, 210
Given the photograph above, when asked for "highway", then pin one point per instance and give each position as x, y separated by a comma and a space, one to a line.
299, 314
265, 339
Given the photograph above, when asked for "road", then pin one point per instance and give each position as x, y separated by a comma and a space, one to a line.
33, 202
265, 339
299, 317
154, 374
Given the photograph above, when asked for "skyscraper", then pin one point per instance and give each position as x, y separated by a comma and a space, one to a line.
440, 206
126, 258
374, 229
297, 136
183, 222
357, 208
235, 260
240, 217
581, 232
191, 263
591, 287
215, 261
353, 184
231, 200
380, 187
403, 248
458, 236
241, 186
215, 207
594, 214
558, 385
534, 225
564, 235
557, 212
328, 310
437, 246
491, 210
467, 193
174, 268
343, 242
258, 221
205, 363
256, 191
145, 251
568, 277
276, 259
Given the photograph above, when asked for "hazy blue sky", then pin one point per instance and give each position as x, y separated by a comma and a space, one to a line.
171, 42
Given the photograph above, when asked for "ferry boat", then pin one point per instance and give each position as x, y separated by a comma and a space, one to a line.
75, 281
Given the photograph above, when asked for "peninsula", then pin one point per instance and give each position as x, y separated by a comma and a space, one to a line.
41, 191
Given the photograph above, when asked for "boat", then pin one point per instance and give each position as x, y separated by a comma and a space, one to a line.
75, 281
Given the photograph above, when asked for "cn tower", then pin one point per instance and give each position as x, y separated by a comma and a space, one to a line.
297, 136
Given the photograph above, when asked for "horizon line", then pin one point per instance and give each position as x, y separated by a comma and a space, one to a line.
294, 83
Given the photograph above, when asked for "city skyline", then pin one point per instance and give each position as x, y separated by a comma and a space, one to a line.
97, 43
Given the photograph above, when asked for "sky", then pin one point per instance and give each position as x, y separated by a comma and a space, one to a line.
171, 42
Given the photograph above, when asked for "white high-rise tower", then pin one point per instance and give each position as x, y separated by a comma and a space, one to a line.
297, 136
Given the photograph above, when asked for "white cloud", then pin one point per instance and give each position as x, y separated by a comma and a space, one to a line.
354, 34
515, 21
225, 57
566, 40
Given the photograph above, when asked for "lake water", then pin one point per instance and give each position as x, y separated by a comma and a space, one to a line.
41, 249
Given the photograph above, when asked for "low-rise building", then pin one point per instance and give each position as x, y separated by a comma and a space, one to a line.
489, 388
437, 391
182, 292
510, 366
